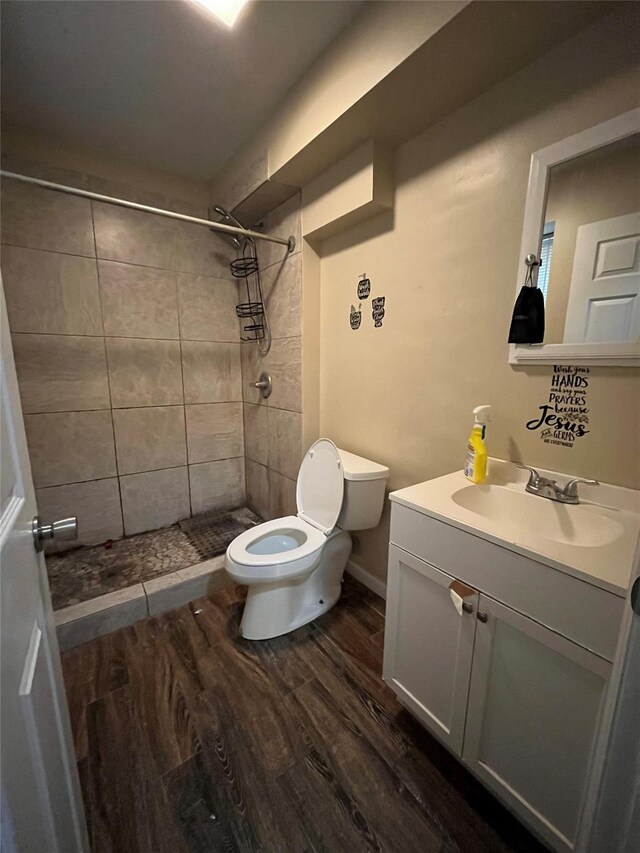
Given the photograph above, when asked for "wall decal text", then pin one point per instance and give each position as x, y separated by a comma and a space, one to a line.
355, 317
377, 310
564, 416
364, 287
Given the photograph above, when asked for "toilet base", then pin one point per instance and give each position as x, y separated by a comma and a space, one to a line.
278, 608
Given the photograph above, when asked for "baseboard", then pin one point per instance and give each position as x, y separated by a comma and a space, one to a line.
367, 579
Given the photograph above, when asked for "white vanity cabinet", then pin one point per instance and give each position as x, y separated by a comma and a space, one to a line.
509, 687
428, 647
532, 715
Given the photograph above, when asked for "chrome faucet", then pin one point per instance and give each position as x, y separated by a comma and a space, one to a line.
545, 488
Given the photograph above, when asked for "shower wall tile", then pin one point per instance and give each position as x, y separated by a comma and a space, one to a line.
51, 293
214, 431
257, 477
149, 439
60, 373
14, 161
106, 186
211, 372
255, 433
208, 308
133, 237
144, 372
138, 302
201, 252
284, 221
253, 363
96, 505
70, 447
43, 219
247, 171
154, 499
120, 317
284, 364
273, 427
282, 495
285, 441
282, 292
217, 485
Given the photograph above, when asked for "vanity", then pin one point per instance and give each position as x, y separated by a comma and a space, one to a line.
503, 612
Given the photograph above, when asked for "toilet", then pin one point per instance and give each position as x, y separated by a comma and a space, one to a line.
293, 566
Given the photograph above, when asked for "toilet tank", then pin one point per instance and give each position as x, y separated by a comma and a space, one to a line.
364, 490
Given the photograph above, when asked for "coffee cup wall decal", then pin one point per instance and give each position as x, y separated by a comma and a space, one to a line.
377, 311
364, 287
355, 317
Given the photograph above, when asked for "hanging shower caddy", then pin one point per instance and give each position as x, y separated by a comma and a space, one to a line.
246, 267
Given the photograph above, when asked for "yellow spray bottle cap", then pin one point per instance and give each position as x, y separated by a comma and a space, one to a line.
482, 414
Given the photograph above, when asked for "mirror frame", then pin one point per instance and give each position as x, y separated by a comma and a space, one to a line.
605, 354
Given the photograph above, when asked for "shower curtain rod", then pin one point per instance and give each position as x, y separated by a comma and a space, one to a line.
289, 242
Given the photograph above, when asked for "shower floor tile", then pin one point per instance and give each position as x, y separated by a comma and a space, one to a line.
87, 573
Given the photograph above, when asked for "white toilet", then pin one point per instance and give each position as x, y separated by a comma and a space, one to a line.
293, 566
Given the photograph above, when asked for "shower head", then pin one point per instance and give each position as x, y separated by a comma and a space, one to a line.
228, 217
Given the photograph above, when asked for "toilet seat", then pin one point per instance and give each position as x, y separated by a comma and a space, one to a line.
251, 559
320, 485
290, 547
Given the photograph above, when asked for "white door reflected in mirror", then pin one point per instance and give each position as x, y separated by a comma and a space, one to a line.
589, 244
604, 295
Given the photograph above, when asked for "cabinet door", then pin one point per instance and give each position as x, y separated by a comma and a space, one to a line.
428, 645
532, 717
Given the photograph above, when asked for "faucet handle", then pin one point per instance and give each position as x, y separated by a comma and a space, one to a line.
534, 476
570, 489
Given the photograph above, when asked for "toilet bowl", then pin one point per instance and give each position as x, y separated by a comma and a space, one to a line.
293, 566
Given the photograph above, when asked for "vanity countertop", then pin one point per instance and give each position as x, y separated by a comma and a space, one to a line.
594, 540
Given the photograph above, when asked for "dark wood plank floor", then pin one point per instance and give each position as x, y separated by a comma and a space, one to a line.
191, 739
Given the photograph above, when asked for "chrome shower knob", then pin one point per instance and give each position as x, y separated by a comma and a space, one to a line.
264, 385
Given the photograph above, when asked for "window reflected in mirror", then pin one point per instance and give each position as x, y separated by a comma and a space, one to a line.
590, 248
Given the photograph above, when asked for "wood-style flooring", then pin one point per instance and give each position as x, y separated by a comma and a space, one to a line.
190, 739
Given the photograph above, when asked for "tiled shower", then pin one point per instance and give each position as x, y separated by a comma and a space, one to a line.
135, 386
128, 359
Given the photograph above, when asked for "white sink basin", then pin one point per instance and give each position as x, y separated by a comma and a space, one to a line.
582, 526
594, 540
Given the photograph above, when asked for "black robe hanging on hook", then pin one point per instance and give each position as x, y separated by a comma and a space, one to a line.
527, 322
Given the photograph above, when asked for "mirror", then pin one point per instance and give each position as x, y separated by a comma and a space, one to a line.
582, 221
590, 247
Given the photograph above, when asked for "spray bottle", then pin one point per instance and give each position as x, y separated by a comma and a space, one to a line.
475, 466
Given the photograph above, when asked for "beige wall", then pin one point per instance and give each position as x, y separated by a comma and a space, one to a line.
128, 358
596, 186
370, 47
350, 67
447, 261
392, 72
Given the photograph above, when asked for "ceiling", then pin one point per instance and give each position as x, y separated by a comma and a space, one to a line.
159, 82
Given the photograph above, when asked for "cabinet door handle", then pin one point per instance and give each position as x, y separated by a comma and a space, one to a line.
483, 617
468, 608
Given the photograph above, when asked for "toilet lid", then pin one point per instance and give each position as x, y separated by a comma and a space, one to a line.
320, 486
